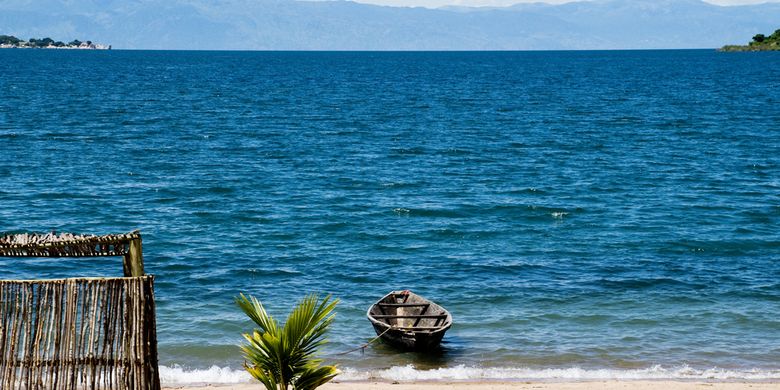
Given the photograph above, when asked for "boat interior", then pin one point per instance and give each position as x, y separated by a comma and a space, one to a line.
408, 311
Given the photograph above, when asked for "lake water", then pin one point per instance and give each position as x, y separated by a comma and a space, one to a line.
581, 214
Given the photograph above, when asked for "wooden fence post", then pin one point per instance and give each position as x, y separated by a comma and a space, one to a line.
133, 263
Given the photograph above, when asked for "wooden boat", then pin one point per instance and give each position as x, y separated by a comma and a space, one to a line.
409, 321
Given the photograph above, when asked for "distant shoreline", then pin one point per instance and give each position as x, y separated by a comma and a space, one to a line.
760, 42
55, 48
750, 48
12, 42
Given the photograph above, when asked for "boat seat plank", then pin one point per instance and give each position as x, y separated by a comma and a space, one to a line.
403, 304
410, 316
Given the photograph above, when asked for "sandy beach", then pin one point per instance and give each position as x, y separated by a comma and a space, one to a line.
590, 385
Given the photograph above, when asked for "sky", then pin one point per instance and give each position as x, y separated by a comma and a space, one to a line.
287, 25
504, 3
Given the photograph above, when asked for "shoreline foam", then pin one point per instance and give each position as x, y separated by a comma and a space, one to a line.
178, 376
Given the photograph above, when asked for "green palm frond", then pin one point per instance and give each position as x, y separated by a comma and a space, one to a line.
313, 378
282, 358
256, 312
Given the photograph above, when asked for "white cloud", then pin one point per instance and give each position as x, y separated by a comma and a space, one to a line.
504, 3
741, 2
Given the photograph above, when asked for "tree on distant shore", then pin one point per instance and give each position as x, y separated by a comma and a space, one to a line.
45, 42
9, 40
763, 39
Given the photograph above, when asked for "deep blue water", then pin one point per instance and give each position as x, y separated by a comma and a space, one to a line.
595, 210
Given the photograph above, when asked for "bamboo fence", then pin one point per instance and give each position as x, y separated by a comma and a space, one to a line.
82, 333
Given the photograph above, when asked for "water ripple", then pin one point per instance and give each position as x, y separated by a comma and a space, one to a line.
604, 210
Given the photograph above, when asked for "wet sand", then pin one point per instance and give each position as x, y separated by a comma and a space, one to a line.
589, 385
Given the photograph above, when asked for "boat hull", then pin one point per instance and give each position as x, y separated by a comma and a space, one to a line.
410, 341
408, 321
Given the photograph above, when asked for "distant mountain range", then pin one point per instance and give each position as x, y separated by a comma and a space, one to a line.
344, 25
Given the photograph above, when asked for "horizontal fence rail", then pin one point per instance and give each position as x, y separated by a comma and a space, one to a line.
80, 333
66, 245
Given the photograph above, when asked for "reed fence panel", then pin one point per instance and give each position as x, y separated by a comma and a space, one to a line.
83, 333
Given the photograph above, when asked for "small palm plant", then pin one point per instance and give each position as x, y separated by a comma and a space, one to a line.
283, 358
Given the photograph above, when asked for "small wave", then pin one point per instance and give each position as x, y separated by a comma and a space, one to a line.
413, 151
399, 184
465, 373
648, 283
268, 272
178, 375
220, 190
527, 190
224, 375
